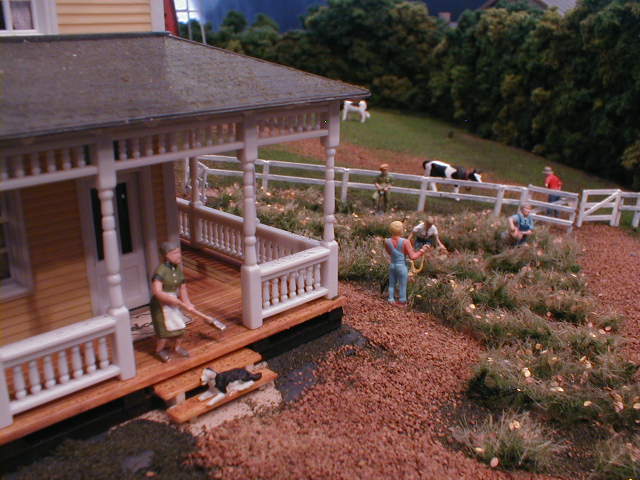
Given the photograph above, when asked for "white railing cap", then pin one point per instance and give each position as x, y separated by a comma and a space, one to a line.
294, 261
60, 336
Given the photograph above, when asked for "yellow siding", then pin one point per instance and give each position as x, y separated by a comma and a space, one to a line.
61, 294
160, 211
104, 16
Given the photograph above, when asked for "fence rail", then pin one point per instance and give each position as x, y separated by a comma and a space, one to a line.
614, 203
497, 195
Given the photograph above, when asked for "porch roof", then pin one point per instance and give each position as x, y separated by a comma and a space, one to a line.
70, 83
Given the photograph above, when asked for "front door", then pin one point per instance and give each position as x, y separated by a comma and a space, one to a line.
135, 284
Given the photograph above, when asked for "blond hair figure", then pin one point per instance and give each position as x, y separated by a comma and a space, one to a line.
398, 249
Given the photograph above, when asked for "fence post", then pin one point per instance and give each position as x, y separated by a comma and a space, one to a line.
524, 197
636, 216
582, 208
615, 214
265, 175
497, 208
572, 215
345, 185
423, 194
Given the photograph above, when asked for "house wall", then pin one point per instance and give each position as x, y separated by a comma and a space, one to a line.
61, 294
104, 16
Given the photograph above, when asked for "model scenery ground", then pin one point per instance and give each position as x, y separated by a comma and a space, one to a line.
383, 404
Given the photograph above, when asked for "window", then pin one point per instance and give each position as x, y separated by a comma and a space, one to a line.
15, 268
27, 17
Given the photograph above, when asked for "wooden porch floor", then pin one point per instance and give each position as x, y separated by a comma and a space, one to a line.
214, 287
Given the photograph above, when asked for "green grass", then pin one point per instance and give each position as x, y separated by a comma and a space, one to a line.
420, 135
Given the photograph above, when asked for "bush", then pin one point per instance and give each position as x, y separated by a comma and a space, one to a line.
618, 458
515, 440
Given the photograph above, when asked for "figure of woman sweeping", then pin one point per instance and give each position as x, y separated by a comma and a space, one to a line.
169, 296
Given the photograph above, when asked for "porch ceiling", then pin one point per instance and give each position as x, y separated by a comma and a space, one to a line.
67, 83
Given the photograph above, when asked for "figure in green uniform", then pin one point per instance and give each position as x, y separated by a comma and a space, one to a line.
169, 295
383, 187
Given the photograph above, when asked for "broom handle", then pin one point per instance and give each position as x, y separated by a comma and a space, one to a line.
207, 318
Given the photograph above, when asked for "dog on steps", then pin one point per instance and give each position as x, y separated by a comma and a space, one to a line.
236, 379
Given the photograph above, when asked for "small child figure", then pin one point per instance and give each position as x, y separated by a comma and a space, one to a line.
426, 233
521, 225
398, 249
383, 185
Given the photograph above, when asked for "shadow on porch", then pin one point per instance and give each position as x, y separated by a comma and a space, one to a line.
214, 287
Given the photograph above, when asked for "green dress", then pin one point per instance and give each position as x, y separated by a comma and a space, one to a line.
172, 278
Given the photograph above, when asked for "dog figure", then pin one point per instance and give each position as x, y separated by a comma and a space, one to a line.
360, 108
236, 379
436, 168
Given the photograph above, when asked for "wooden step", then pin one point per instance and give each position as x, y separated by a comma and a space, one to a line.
194, 407
173, 389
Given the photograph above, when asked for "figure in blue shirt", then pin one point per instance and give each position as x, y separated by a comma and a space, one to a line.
521, 225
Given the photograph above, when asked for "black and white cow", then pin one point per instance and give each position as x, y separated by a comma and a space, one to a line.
436, 168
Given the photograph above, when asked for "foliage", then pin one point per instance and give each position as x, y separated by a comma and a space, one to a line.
619, 458
513, 441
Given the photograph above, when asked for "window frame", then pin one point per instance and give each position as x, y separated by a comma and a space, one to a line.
45, 19
20, 282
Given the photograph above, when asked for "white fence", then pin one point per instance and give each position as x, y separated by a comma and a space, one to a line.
54, 364
496, 195
291, 267
613, 203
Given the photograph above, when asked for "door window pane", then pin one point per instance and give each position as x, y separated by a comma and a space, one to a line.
122, 202
97, 222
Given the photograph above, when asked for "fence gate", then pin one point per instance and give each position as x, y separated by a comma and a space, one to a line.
613, 201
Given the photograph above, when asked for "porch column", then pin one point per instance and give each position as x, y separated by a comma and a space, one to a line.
194, 202
106, 184
250, 272
331, 142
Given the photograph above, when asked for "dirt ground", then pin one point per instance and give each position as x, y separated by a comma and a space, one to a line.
378, 410
383, 409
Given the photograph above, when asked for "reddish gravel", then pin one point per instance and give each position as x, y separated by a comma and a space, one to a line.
375, 411
611, 261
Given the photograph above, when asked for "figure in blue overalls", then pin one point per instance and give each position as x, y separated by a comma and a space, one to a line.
521, 225
398, 249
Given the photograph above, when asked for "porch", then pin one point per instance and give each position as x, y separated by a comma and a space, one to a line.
205, 274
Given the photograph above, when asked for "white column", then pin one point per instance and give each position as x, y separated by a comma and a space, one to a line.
250, 272
106, 184
194, 201
331, 142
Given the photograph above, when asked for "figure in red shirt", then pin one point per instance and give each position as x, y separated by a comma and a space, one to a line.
553, 182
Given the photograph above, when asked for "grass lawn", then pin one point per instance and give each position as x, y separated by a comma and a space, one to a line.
419, 135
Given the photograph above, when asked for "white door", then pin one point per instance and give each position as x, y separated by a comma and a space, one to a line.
135, 284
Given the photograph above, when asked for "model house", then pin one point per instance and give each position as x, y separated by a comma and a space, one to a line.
91, 128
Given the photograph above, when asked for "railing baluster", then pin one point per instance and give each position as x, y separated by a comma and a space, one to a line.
148, 146
283, 288
66, 159
309, 279
34, 163
103, 353
49, 377
301, 275
78, 153
18, 382
162, 143
50, 160
34, 377
122, 150
135, 147
89, 357
266, 298
76, 362
63, 366
317, 277
18, 166
275, 298
4, 169
292, 285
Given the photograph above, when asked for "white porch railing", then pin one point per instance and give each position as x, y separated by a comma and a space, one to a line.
614, 201
291, 267
54, 364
